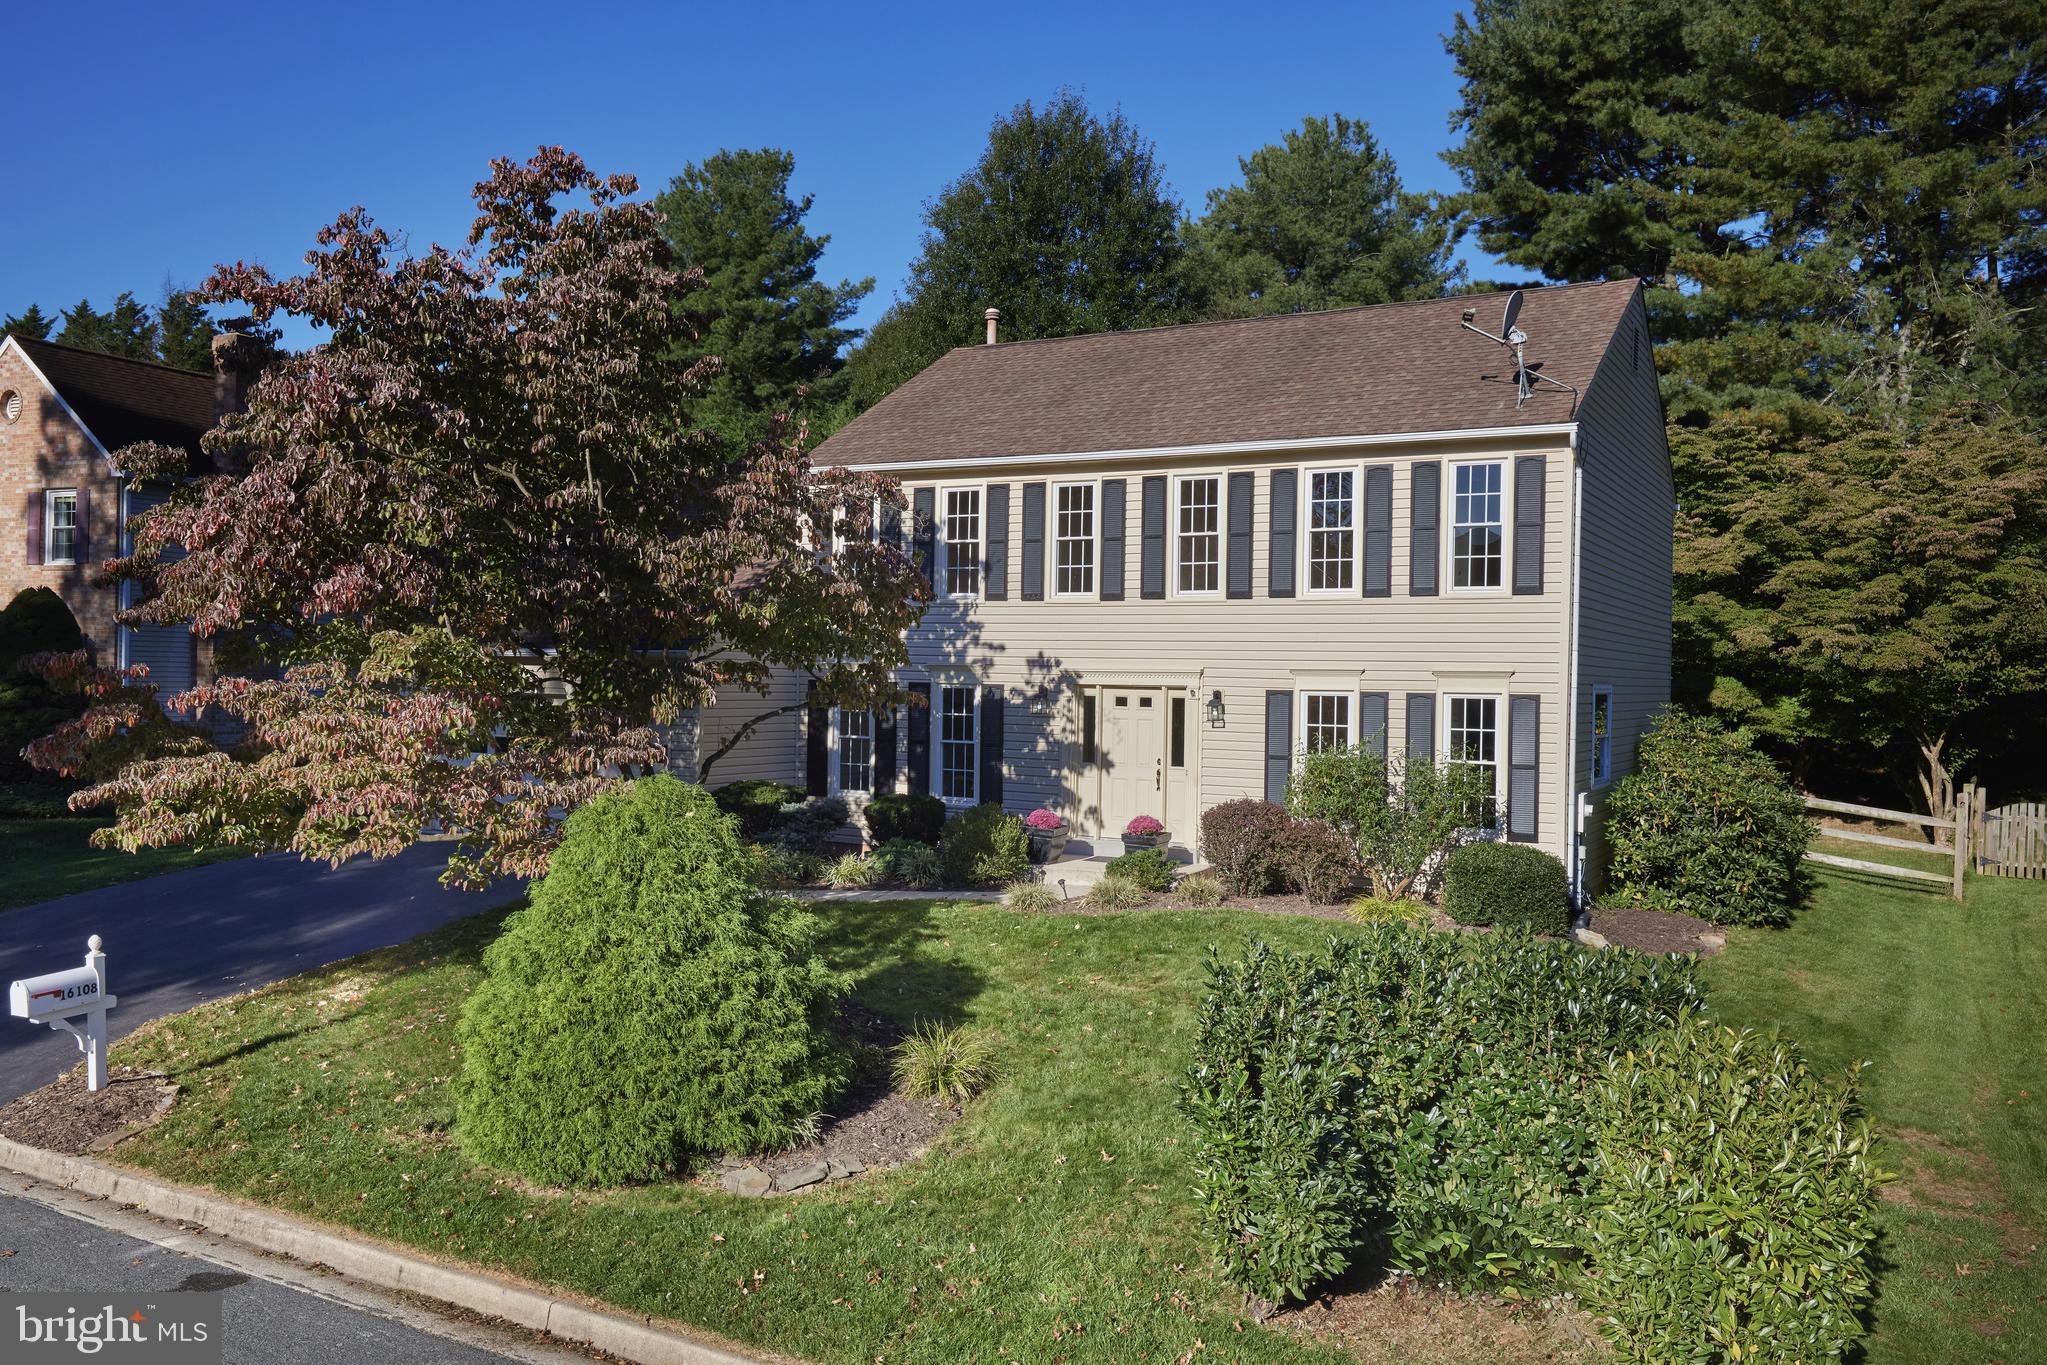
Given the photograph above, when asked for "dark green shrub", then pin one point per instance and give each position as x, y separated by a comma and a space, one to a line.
650, 1005
1150, 868
804, 826
1245, 841
1513, 886
1321, 862
755, 803
984, 847
1400, 819
908, 863
36, 621
1708, 826
1734, 1202
903, 815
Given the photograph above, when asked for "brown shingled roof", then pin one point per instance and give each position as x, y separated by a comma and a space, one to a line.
123, 401
1371, 371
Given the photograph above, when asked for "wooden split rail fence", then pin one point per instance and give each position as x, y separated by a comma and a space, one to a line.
2010, 841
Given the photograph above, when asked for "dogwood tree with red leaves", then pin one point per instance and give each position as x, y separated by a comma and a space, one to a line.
473, 549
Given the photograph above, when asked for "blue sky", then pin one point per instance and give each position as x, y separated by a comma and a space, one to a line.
174, 136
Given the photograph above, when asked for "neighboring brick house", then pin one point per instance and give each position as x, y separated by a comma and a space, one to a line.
65, 414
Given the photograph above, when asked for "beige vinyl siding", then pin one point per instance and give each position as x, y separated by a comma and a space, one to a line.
774, 751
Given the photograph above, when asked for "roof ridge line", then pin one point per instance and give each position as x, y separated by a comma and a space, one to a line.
110, 355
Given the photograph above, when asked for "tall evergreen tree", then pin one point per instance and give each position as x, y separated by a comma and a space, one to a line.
126, 329
85, 327
34, 325
1066, 224
1320, 221
184, 332
774, 325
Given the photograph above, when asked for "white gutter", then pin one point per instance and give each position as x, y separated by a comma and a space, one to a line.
1574, 831
1566, 429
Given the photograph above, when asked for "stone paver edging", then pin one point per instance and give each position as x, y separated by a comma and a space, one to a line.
494, 1295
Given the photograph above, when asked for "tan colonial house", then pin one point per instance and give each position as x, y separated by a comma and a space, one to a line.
1168, 561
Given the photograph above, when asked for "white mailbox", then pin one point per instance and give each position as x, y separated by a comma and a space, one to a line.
52, 999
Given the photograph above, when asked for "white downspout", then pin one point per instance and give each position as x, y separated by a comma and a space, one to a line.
1574, 823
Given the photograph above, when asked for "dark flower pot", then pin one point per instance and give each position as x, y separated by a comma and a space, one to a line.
1048, 844
1133, 842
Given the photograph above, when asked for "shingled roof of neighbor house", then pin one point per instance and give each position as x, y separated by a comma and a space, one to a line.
123, 401
1372, 371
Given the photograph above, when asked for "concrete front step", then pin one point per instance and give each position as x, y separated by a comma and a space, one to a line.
1087, 860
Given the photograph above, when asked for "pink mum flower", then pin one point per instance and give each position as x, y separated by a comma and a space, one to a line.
1042, 819
1143, 824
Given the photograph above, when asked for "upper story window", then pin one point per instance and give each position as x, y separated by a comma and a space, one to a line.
1199, 541
1332, 530
1602, 736
1073, 532
962, 542
1477, 533
1471, 736
958, 745
60, 526
1325, 720
856, 750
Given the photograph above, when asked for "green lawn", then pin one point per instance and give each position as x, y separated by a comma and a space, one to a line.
40, 859
1949, 1004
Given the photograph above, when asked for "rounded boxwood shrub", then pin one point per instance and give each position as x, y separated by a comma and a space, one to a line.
1512, 886
1150, 868
905, 815
984, 847
1707, 826
648, 1006
1245, 841
756, 803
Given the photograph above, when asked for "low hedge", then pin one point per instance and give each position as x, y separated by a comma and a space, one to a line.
984, 846
1512, 886
905, 815
1149, 868
755, 803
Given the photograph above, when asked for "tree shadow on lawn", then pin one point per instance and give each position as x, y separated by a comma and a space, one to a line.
901, 964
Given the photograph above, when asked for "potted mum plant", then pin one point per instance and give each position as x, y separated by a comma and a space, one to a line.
1145, 832
1048, 831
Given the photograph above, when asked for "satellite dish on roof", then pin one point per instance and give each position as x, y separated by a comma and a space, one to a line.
1513, 311
1526, 376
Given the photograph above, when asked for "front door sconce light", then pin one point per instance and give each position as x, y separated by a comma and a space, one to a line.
1215, 709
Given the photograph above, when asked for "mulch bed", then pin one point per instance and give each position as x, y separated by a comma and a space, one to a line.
65, 1117
1398, 1320
1657, 931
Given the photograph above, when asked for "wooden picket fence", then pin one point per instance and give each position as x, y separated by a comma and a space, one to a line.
2010, 841
1959, 829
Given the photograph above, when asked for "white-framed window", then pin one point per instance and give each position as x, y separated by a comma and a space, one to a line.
1478, 529
959, 749
1331, 545
60, 526
1198, 534
856, 750
959, 521
1325, 721
1471, 737
1073, 540
1602, 735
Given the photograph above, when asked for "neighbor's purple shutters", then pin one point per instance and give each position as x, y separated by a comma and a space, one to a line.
919, 756
1421, 727
1279, 745
1151, 580
884, 750
991, 746
1379, 530
1423, 548
1372, 722
1282, 509
33, 515
1034, 542
924, 532
1524, 766
1530, 471
81, 539
1243, 494
816, 753
995, 546
1113, 498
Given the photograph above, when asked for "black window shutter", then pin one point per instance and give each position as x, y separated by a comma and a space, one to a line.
1282, 509
991, 746
816, 754
1421, 727
995, 545
924, 532
919, 756
32, 517
891, 524
1279, 745
1372, 722
884, 750
1152, 575
1034, 542
1112, 540
1379, 530
1524, 766
1424, 548
1530, 472
1243, 493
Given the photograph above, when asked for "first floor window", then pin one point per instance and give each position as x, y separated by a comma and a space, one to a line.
856, 751
1477, 532
1326, 722
963, 542
60, 526
1200, 538
1332, 536
1471, 737
956, 747
1074, 533
1602, 735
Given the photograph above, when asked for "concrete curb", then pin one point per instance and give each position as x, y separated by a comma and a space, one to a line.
499, 1296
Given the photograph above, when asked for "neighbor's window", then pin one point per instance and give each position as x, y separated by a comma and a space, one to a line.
1477, 535
1325, 721
856, 750
963, 541
60, 526
1074, 532
1200, 538
1332, 534
956, 747
1471, 736
1602, 735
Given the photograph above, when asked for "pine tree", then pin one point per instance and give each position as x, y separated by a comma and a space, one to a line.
126, 329
184, 332
33, 325
85, 327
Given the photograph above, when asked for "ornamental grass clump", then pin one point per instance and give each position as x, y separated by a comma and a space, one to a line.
650, 1005
1030, 896
939, 1063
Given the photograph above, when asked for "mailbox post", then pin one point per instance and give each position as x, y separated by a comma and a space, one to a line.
59, 997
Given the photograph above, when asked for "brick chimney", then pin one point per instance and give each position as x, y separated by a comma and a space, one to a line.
994, 316
237, 357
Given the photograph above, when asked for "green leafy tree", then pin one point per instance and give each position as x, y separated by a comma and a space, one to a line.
775, 328
184, 332
1320, 221
1066, 224
34, 325
1400, 815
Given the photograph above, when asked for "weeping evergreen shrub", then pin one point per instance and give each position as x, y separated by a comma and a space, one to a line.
648, 1006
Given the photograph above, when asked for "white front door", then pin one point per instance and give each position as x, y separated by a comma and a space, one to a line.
1132, 757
